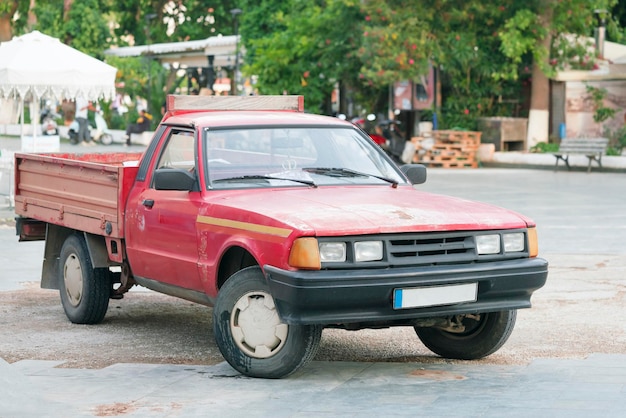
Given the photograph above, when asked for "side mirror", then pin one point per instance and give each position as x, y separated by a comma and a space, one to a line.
416, 173
174, 179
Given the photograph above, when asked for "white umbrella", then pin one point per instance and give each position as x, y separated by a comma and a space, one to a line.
37, 65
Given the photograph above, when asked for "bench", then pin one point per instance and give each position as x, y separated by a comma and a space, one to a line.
592, 148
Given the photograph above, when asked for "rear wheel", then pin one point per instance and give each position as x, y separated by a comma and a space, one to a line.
106, 139
250, 334
84, 290
482, 334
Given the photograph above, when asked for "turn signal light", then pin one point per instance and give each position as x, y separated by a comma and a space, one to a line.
533, 243
305, 254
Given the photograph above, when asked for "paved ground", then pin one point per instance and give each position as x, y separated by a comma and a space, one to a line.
580, 216
594, 387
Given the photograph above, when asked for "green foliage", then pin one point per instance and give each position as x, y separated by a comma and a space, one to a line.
484, 51
84, 27
397, 43
13, 14
573, 53
461, 39
519, 39
538, 20
617, 140
614, 152
156, 21
601, 112
308, 51
544, 147
143, 78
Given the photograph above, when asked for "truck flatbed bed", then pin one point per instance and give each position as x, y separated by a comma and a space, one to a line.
87, 191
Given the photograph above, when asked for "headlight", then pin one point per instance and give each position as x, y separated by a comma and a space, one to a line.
332, 252
488, 244
368, 251
513, 242
496, 243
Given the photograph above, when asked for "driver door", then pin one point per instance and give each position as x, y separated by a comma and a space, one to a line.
165, 242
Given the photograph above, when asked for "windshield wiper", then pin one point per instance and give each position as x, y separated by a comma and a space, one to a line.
346, 172
259, 177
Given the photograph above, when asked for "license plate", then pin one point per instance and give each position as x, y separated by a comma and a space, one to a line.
420, 297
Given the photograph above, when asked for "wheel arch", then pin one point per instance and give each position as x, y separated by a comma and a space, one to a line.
55, 237
234, 259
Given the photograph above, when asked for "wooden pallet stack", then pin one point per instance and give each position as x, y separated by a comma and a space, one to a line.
449, 149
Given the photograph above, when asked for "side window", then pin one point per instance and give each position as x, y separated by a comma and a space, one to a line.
179, 151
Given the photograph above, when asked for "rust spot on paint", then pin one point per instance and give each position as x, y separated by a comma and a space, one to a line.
402, 215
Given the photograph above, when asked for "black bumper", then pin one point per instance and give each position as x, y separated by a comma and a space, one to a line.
330, 297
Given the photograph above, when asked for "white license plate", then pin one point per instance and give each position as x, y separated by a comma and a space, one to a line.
420, 297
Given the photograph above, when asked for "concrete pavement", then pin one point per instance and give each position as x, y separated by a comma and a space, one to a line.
577, 214
595, 386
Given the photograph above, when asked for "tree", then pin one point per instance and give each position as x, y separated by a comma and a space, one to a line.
155, 21
142, 22
82, 25
8, 11
459, 38
534, 30
483, 48
303, 48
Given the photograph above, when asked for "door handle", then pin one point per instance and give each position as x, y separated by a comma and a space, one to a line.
148, 203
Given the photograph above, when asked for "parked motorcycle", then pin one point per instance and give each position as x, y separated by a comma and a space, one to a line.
47, 118
98, 132
395, 139
370, 127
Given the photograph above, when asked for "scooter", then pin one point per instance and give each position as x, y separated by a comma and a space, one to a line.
100, 132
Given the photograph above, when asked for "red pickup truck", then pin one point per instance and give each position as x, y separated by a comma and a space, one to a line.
285, 223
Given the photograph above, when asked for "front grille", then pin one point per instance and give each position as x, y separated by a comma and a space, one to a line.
422, 249
429, 249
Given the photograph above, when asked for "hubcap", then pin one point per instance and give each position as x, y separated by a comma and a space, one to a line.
256, 327
73, 278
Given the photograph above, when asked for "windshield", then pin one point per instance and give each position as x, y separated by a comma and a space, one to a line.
294, 156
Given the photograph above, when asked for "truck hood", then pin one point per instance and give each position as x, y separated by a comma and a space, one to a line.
334, 211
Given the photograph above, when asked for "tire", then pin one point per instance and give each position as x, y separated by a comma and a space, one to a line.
73, 135
106, 139
484, 334
84, 290
250, 334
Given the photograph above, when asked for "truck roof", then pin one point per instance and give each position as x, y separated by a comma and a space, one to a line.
223, 111
250, 118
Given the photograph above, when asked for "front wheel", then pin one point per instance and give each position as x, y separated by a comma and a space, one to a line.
73, 135
84, 290
480, 335
250, 334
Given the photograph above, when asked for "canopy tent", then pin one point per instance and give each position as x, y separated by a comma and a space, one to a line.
43, 66
36, 66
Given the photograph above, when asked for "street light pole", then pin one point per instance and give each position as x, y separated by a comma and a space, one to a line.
149, 17
236, 13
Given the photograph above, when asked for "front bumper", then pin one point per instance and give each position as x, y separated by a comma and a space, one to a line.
330, 297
